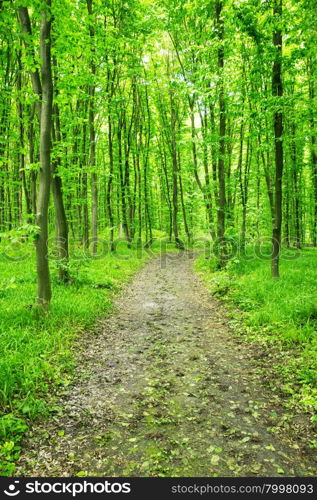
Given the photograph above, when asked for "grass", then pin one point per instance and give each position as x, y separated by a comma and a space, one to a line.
36, 353
279, 313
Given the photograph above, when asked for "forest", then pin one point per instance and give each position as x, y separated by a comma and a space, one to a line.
173, 133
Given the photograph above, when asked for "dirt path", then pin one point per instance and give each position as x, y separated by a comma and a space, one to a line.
164, 388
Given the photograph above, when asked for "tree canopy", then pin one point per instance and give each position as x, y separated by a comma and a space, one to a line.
184, 118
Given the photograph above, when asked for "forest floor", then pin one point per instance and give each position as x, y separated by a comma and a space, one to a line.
164, 387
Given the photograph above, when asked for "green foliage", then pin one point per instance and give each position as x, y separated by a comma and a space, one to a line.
281, 313
12, 429
163, 126
20, 233
35, 354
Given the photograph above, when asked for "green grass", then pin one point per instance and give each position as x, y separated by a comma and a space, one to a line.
35, 353
280, 313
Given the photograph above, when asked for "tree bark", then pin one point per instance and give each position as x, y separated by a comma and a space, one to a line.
60, 213
221, 214
27, 197
44, 293
174, 170
313, 148
56, 181
110, 180
92, 138
277, 93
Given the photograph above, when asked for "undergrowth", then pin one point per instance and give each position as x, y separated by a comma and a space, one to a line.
281, 313
36, 353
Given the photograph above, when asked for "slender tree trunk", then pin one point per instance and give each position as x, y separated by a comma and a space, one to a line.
122, 182
193, 142
243, 173
84, 192
240, 160
110, 180
28, 204
92, 137
288, 215
207, 187
181, 192
168, 196
33, 174
258, 194
147, 189
221, 215
44, 285
214, 151
126, 198
296, 184
174, 169
57, 188
61, 227
277, 92
313, 148
267, 180
60, 213
132, 208
139, 182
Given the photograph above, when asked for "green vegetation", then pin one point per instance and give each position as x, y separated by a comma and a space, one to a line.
183, 117
125, 120
282, 314
35, 352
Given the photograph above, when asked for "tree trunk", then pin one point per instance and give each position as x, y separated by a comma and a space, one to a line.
110, 180
60, 214
27, 197
296, 183
313, 148
181, 192
33, 174
92, 138
147, 187
221, 215
168, 197
277, 93
44, 284
122, 183
207, 187
84, 192
174, 170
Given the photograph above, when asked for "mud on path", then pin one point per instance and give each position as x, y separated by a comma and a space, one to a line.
165, 388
